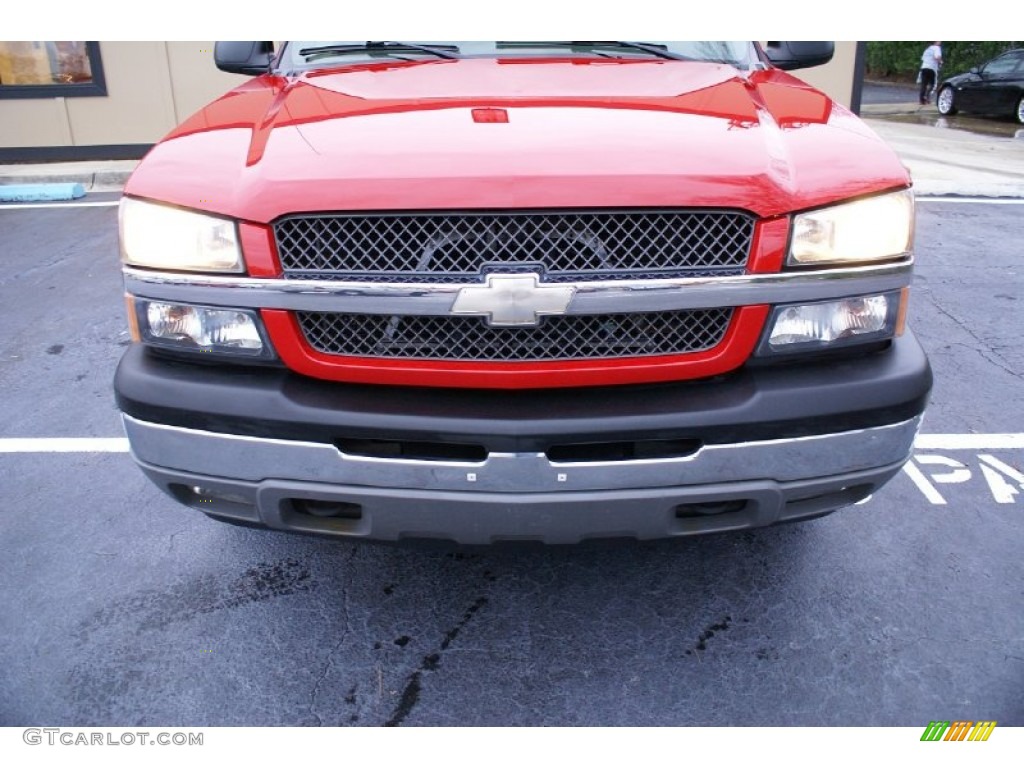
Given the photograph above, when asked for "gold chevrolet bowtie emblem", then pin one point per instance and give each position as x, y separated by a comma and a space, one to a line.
513, 300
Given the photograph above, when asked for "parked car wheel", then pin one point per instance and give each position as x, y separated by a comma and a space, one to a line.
946, 103
1020, 110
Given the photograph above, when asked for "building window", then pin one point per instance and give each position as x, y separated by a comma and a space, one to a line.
44, 69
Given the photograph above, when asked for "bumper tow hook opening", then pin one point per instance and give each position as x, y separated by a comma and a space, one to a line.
703, 509
327, 509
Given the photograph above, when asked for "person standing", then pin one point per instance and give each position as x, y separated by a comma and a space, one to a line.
931, 62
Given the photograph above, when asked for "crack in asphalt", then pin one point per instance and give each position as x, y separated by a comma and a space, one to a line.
983, 346
429, 663
170, 541
329, 663
34, 269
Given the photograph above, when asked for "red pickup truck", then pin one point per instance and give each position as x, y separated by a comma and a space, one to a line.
550, 290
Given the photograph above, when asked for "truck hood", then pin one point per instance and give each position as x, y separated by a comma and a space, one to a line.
518, 133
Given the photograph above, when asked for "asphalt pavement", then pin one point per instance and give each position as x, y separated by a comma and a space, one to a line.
122, 607
874, 93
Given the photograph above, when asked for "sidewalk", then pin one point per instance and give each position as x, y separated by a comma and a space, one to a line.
941, 159
944, 160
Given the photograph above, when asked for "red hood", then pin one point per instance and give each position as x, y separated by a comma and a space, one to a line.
580, 134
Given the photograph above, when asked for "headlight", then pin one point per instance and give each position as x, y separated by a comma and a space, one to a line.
829, 324
165, 237
205, 330
872, 229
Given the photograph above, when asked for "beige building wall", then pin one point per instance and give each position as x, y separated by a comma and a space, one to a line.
34, 123
837, 77
138, 104
195, 80
153, 86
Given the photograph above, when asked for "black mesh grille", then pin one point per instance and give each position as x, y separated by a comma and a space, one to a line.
565, 246
563, 337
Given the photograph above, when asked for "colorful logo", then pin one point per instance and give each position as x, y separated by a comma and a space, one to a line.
961, 730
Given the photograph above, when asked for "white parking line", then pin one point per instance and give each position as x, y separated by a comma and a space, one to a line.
936, 442
975, 200
64, 445
990, 442
93, 204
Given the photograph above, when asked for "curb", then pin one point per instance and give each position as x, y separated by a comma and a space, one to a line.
888, 110
97, 181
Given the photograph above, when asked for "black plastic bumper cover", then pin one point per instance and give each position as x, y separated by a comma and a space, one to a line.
755, 403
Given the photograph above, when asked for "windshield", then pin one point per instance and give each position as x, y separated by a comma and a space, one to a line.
302, 55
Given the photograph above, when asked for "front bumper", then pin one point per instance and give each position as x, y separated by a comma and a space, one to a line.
769, 444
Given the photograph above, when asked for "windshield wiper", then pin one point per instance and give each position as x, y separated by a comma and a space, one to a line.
660, 51
387, 46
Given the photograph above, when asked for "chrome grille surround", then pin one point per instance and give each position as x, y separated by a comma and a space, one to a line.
562, 337
562, 246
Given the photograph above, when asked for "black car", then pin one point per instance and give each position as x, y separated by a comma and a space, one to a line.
996, 87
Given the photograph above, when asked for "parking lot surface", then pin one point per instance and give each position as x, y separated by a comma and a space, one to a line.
120, 607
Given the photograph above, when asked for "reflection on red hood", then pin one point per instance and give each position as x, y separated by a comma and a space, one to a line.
581, 133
